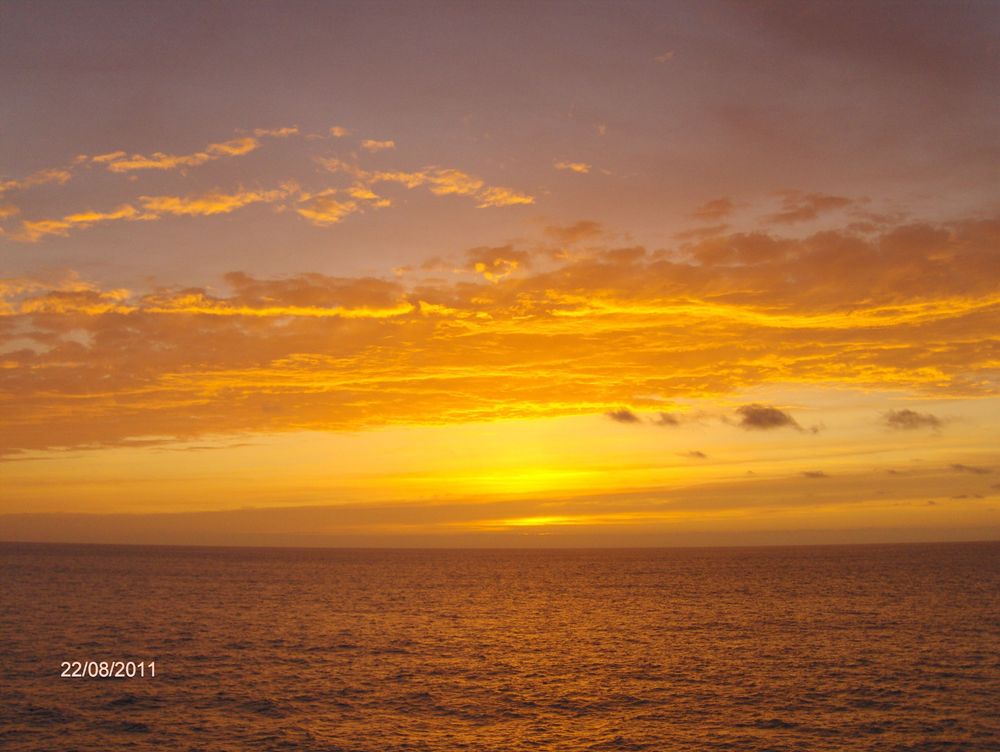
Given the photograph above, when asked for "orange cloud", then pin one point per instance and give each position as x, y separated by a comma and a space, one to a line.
802, 207
33, 230
57, 175
579, 167
914, 309
209, 203
284, 132
441, 181
714, 210
121, 162
373, 146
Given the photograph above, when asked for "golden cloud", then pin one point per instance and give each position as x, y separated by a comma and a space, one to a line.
915, 309
209, 203
119, 162
579, 167
441, 181
56, 175
371, 145
502, 197
33, 230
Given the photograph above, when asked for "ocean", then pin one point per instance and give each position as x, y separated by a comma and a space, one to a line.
891, 647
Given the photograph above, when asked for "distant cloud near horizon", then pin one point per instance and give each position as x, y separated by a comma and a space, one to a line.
666, 419
623, 416
960, 468
757, 417
910, 420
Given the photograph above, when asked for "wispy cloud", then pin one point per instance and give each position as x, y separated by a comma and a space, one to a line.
960, 468
57, 175
802, 207
372, 145
714, 210
32, 231
207, 204
579, 167
121, 162
441, 181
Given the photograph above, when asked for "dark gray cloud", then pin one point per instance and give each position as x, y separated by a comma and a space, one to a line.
696, 455
815, 474
911, 420
623, 416
757, 417
666, 419
958, 467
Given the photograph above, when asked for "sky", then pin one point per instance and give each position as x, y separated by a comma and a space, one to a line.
499, 274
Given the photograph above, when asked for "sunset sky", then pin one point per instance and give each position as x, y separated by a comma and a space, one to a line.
525, 274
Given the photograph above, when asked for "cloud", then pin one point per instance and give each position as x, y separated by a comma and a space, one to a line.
764, 418
338, 132
34, 230
814, 474
325, 207
569, 234
579, 167
802, 207
326, 210
449, 182
714, 210
441, 181
623, 416
960, 468
503, 197
57, 175
664, 57
373, 146
208, 204
121, 162
666, 420
910, 420
911, 309
283, 132
497, 263
702, 233
696, 455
